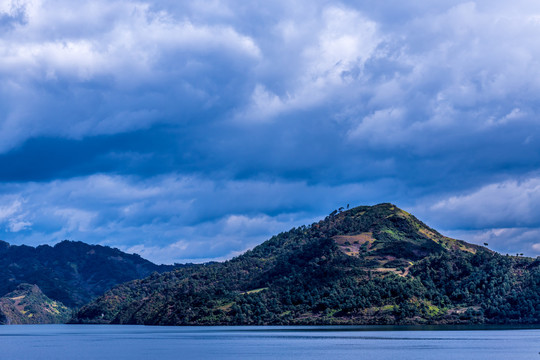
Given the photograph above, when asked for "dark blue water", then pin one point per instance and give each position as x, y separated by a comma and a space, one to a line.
298, 343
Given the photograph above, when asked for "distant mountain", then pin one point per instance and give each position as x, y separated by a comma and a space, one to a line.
28, 305
368, 265
70, 272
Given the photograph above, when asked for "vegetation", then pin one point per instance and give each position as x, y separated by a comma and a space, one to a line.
70, 272
366, 265
28, 305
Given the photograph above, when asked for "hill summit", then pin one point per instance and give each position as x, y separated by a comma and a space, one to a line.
386, 235
367, 265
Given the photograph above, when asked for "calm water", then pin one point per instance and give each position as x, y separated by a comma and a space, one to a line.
298, 343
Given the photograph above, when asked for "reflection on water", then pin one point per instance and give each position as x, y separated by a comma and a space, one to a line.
265, 342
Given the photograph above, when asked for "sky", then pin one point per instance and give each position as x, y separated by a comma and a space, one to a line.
190, 131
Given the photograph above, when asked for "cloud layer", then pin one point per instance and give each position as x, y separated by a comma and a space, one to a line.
171, 128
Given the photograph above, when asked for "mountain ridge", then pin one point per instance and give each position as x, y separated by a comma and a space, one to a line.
71, 272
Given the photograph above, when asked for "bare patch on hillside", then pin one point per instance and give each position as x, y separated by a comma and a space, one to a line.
353, 245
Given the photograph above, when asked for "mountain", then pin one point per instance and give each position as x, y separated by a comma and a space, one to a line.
70, 272
28, 305
368, 265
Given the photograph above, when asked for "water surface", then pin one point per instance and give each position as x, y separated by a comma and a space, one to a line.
264, 342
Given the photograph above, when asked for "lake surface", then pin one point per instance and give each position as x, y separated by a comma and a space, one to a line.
265, 342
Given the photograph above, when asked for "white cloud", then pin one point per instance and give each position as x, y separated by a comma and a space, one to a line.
345, 41
75, 219
12, 215
120, 38
7, 211
265, 105
454, 67
326, 55
17, 225
502, 214
493, 205
121, 46
383, 126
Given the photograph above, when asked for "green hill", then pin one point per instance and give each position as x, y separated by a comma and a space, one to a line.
28, 305
71, 272
368, 265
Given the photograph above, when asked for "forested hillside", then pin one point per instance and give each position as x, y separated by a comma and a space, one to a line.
367, 265
71, 272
